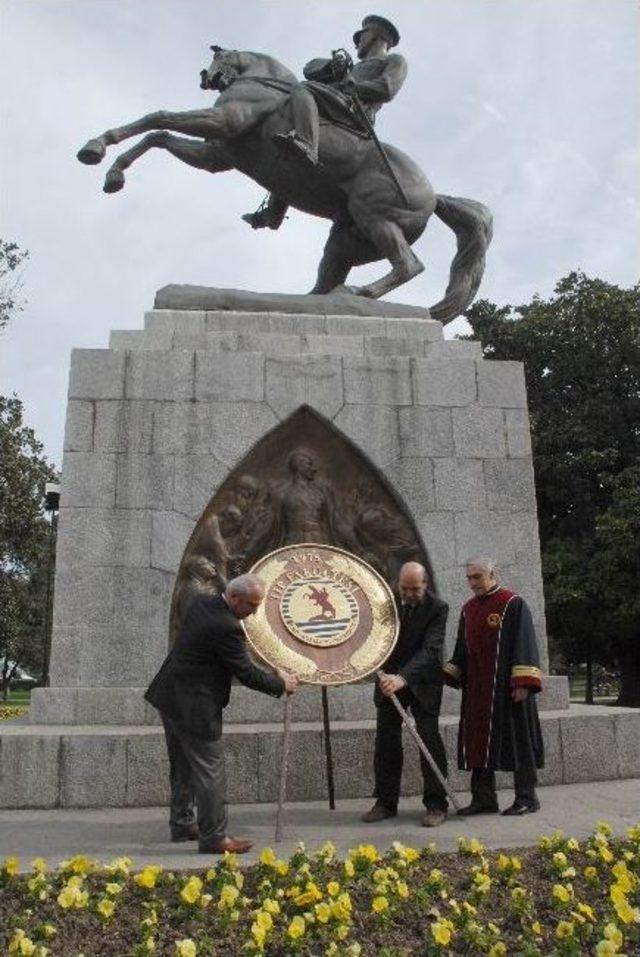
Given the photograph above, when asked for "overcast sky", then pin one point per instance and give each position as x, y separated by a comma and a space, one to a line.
528, 105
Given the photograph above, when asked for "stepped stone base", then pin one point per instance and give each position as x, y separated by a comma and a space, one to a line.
126, 706
45, 766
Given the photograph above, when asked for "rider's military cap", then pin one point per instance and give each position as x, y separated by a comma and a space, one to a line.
380, 24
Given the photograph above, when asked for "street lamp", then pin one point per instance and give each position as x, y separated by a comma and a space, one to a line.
51, 506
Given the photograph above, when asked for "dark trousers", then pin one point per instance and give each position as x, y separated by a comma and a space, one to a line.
197, 776
388, 756
483, 786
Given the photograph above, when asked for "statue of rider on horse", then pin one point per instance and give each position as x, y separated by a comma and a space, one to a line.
313, 146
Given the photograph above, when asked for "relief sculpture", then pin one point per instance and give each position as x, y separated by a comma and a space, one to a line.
287, 491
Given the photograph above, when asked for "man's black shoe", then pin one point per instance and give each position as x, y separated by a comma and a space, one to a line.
379, 812
477, 807
521, 807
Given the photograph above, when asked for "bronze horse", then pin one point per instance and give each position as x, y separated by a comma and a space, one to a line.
372, 219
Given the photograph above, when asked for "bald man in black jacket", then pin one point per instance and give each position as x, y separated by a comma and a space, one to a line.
413, 672
190, 690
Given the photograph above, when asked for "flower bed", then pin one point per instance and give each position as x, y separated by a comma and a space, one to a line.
11, 711
559, 899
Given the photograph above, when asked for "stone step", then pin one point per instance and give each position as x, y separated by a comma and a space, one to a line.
280, 344
167, 321
126, 706
57, 766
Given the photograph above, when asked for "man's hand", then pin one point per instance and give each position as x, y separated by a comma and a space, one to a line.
391, 684
519, 694
290, 681
349, 86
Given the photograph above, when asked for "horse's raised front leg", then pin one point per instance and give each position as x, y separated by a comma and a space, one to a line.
212, 123
201, 155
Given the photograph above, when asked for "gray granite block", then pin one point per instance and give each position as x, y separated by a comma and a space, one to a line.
453, 349
124, 426
101, 537
29, 763
412, 478
291, 323
157, 339
96, 374
93, 770
589, 747
437, 531
241, 759
426, 431
355, 326
553, 770
374, 430
518, 433
387, 346
196, 479
145, 481
429, 330
377, 381
78, 430
459, 484
156, 375
171, 532
229, 377
230, 429
509, 484
352, 751
501, 384
53, 706
84, 595
305, 769
113, 705
217, 321
66, 641
174, 320
308, 380
484, 533
627, 732
88, 480
334, 345
479, 432
526, 537
445, 382
147, 783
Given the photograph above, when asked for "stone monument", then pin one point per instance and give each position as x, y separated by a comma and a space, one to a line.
236, 422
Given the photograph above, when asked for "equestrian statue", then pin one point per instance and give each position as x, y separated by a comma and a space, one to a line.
313, 146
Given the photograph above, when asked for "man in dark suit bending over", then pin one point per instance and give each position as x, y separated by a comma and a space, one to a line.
413, 673
190, 691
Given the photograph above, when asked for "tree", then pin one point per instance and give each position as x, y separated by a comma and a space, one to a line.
23, 529
11, 257
24, 536
581, 352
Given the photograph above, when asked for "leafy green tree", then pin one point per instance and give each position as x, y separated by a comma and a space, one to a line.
581, 353
24, 532
11, 257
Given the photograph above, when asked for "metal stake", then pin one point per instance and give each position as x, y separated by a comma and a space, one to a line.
327, 748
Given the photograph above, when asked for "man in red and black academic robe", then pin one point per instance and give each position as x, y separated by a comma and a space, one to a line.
496, 664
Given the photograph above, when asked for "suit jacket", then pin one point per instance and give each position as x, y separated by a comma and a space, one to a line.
417, 656
193, 684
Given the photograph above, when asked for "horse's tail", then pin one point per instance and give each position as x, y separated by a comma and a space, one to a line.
473, 225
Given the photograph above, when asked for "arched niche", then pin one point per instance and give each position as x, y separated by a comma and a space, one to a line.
304, 481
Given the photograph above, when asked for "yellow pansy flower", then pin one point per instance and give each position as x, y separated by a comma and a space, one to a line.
192, 890
402, 889
561, 893
482, 882
148, 876
268, 857
564, 929
349, 869
379, 905
441, 933
11, 866
333, 888
323, 912
259, 934
39, 865
113, 888
587, 911
271, 906
497, 950
49, 931
228, 895
296, 928
627, 913
560, 860
106, 907
536, 927
604, 948
614, 934
591, 873
573, 845
186, 948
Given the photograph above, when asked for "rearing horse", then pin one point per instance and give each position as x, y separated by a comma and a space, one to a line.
372, 219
